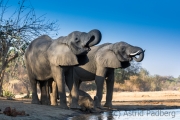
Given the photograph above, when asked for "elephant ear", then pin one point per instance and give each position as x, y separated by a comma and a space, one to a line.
61, 54
107, 58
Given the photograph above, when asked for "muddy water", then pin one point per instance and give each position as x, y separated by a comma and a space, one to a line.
169, 114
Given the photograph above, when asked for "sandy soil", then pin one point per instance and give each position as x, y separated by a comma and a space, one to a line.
121, 101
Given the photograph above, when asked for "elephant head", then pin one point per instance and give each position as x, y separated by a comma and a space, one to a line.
119, 55
126, 52
72, 49
80, 42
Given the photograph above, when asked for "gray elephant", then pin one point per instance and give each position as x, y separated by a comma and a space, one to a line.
48, 59
85, 101
103, 59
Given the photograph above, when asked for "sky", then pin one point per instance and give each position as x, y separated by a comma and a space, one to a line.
153, 25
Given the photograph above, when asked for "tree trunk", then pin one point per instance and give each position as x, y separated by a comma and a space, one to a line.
2, 71
1, 79
28, 93
27, 89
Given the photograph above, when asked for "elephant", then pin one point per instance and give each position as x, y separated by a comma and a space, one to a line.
85, 101
103, 59
53, 59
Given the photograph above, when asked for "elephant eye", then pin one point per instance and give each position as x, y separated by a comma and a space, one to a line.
123, 49
77, 40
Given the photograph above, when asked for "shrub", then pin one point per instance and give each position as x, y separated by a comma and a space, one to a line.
8, 94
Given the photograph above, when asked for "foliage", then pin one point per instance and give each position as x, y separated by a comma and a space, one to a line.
17, 30
145, 82
88, 86
22, 26
138, 80
124, 74
8, 94
17, 70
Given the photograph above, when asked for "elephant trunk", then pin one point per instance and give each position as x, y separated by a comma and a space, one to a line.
137, 51
94, 37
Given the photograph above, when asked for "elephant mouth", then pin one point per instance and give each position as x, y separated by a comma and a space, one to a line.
80, 50
134, 54
87, 47
139, 53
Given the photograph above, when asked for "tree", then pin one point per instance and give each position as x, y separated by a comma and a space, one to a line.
19, 72
124, 74
143, 73
17, 30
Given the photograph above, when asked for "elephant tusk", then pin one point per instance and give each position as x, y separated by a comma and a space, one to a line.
134, 53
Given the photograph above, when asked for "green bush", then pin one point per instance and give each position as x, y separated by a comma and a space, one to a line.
8, 94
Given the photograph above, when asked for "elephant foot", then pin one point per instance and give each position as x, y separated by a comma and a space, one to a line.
108, 105
45, 102
74, 106
97, 103
97, 110
54, 103
99, 107
35, 102
63, 106
35, 99
53, 100
93, 110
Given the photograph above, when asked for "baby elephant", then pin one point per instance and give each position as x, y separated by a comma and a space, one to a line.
85, 102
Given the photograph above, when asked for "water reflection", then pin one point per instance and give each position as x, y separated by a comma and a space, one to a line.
133, 115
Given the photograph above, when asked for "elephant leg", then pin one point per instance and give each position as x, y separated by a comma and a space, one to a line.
58, 76
48, 92
99, 80
77, 80
53, 94
44, 92
72, 88
79, 84
109, 86
33, 82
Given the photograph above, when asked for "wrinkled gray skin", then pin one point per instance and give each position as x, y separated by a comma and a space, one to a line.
103, 59
48, 59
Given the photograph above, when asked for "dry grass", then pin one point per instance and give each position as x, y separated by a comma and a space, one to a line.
140, 96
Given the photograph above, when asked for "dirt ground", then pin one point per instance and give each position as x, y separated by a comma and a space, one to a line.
121, 101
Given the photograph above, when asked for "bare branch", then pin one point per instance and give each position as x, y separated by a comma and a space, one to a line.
19, 29
12, 57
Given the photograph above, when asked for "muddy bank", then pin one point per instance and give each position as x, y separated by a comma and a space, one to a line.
121, 101
40, 112
35, 112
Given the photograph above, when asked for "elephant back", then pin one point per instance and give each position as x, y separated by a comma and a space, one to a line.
95, 49
40, 43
